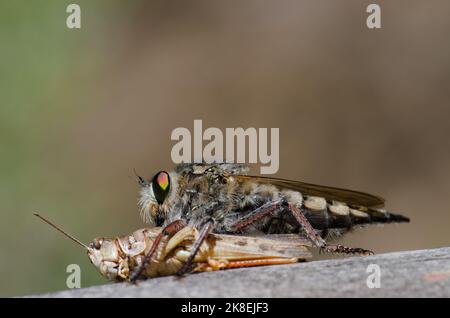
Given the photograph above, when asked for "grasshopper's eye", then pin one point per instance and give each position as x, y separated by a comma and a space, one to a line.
161, 186
96, 243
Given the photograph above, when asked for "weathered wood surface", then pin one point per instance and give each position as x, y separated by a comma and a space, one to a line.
423, 273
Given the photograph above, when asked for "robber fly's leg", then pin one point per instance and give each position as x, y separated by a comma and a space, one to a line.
312, 234
271, 207
170, 229
206, 229
341, 249
257, 214
274, 206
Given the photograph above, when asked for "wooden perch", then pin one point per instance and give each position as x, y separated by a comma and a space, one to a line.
422, 273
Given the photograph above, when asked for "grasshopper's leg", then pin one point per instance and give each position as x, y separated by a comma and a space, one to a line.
261, 262
170, 229
272, 207
214, 265
206, 229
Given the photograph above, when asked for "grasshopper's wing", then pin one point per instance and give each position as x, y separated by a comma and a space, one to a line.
239, 248
350, 197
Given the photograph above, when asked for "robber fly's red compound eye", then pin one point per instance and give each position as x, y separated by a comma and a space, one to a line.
161, 186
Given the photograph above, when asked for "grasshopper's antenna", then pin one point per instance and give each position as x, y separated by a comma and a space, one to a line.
63, 232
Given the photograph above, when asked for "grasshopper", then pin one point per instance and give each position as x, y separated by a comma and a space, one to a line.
119, 258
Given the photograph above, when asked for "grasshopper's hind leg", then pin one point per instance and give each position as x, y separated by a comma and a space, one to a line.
214, 265
270, 208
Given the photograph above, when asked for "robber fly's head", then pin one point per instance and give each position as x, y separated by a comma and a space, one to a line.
153, 196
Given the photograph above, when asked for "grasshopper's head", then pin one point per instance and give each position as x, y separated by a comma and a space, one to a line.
104, 255
153, 197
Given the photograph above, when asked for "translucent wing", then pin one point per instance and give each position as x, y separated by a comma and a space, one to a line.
331, 193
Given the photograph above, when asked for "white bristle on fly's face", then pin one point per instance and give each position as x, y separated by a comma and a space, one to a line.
146, 202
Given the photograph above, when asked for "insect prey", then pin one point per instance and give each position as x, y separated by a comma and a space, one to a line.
121, 258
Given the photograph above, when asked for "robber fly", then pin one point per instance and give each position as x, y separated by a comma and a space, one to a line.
116, 258
222, 198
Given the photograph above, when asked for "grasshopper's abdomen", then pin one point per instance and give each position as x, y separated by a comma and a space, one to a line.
323, 214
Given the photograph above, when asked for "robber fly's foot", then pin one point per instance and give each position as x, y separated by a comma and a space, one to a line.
134, 278
340, 249
133, 281
187, 268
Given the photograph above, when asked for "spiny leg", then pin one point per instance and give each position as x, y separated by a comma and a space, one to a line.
257, 214
206, 229
170, 229
341, 249
311, 233
214, 265
261, 262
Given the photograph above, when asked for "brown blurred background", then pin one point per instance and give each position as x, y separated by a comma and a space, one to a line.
357, 108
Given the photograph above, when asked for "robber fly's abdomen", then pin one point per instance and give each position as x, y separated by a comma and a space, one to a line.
327, 215
324, 214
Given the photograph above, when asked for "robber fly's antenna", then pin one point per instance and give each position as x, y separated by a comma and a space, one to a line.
140, 180
62, 231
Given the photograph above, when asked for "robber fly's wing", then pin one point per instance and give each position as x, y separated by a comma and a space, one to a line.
237, 247
331, 193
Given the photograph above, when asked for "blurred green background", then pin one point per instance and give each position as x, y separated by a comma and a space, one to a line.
80, 109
